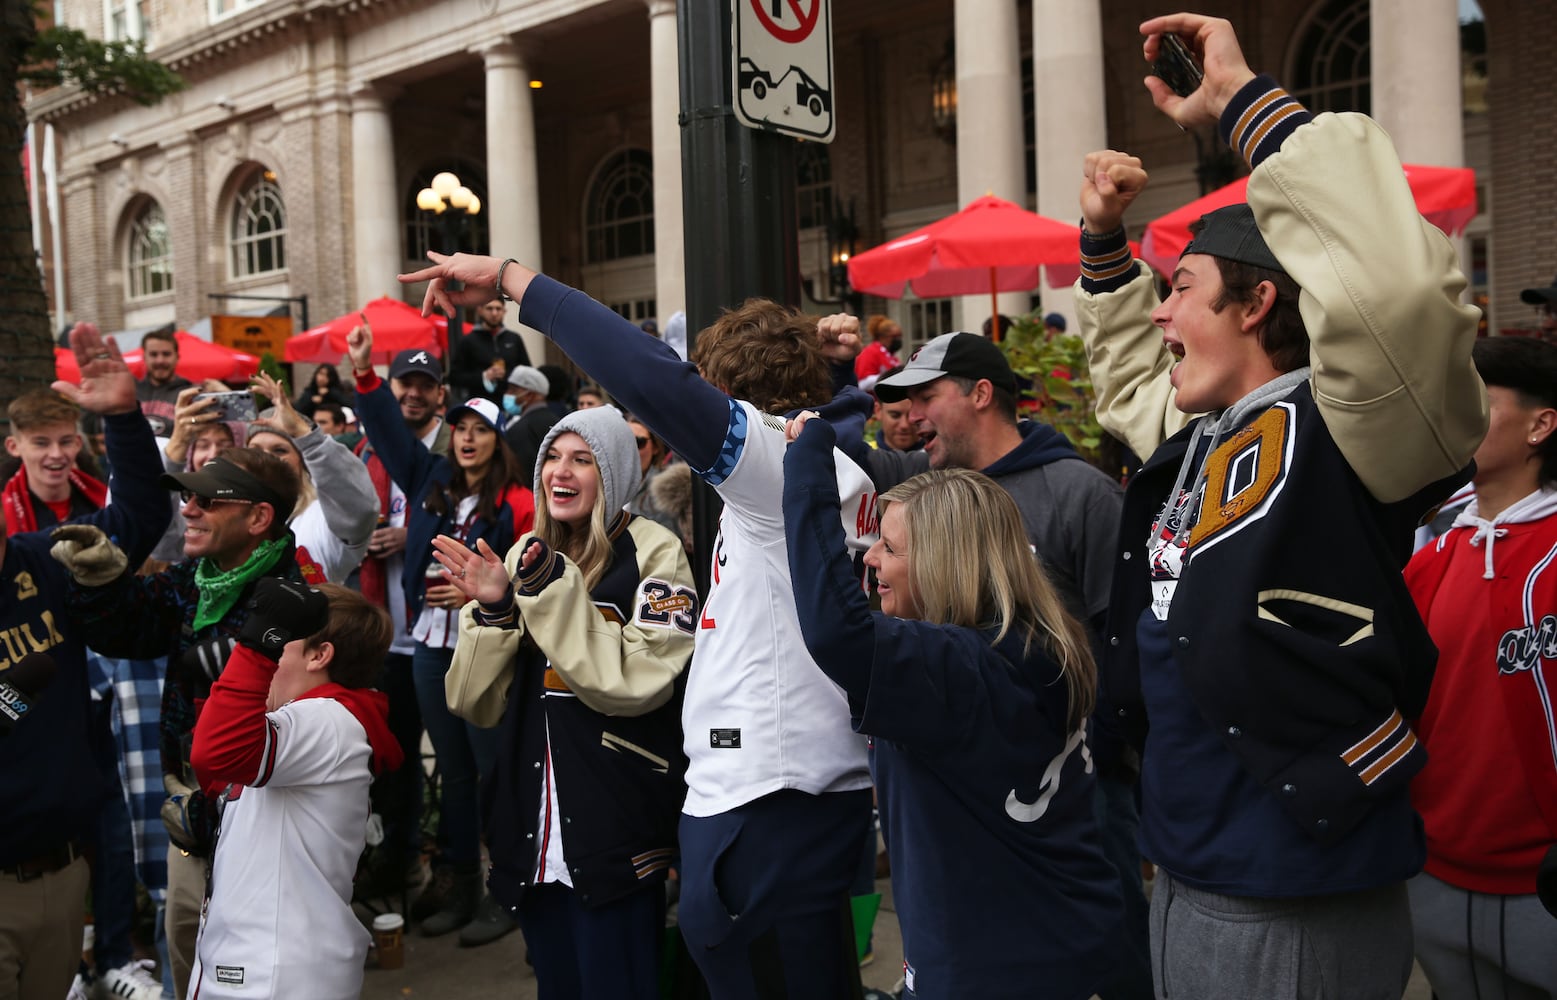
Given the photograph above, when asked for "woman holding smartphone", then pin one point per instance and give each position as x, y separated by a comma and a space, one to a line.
476, 493
574, 652
975, 686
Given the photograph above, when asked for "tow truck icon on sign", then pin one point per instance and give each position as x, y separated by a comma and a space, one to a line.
808, 94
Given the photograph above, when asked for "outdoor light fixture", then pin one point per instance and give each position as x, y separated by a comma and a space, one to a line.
943, 95
452, 203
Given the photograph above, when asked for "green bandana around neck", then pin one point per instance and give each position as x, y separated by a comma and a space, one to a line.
219, 590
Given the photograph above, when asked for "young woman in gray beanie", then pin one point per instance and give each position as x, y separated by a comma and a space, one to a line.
575, 652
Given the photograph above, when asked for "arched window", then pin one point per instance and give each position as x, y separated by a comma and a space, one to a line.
424, 230
148, 254
619, 220
257, 240
1331, 65
813, 184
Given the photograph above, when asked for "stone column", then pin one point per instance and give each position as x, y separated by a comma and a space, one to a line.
1416, 79
670, 276
89, 251
375, 201
989, 122
1068, 113
513, 189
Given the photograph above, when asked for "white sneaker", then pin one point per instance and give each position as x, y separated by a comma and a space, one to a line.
133, 981
80, 988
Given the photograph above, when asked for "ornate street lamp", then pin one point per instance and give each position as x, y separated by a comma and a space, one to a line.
453, 204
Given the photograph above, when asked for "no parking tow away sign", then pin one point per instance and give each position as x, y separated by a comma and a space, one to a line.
783, 72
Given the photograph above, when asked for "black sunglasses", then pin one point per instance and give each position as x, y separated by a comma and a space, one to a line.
641, 440
205, 502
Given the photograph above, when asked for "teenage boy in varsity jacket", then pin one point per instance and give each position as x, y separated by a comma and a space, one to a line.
1258, 620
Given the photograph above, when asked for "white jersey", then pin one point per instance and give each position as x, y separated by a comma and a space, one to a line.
314, 537
760, 715
279, 922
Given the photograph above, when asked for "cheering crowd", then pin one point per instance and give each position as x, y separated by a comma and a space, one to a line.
1340, 757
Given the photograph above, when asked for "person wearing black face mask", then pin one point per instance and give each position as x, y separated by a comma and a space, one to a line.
881, 355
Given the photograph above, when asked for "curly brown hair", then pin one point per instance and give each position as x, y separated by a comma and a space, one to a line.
767, 354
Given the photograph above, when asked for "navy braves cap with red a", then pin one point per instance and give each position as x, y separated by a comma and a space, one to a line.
966, 355
416, 360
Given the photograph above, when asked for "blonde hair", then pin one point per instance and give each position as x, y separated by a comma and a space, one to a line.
972, 565
306, 493
589, 547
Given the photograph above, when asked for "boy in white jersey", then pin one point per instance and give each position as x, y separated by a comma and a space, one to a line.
778, 792
290, 738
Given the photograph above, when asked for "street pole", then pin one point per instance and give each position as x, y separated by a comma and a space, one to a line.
738, 188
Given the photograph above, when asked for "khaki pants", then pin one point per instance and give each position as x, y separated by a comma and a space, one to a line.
40, 933
181, 922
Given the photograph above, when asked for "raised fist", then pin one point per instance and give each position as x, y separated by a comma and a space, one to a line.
280, 611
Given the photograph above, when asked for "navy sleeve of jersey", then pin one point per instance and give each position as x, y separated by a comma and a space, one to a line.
396, 445
641, 372
138, 509
835, 617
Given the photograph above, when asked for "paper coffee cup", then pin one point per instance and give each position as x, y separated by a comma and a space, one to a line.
389, 940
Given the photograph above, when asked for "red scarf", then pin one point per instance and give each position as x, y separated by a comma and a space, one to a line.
17, 499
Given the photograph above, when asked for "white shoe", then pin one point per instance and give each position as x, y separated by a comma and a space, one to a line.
133, 981
80, 988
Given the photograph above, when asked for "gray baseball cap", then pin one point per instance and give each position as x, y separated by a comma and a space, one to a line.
963, 354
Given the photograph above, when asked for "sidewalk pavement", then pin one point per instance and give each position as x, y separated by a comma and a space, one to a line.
438, 969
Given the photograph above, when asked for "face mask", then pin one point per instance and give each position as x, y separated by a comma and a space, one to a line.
510, 405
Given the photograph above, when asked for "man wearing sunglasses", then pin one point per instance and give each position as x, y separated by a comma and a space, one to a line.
235, 511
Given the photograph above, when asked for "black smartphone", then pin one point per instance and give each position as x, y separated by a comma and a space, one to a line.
1176, 65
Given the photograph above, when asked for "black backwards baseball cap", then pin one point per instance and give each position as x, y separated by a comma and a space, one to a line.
966, 355
1540, 296
1230, 233
221, 479
414, 361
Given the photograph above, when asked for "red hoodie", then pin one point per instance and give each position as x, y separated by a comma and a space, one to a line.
234, 741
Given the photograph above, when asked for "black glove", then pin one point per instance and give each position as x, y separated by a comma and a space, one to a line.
281, 611
209, 658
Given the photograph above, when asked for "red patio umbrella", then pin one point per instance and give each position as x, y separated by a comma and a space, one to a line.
990, 246
1446, 197
197, 360
396, 327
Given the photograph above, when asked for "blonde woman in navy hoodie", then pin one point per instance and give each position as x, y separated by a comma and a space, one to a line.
974, 685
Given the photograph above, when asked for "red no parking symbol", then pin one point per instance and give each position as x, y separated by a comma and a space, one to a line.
770, 21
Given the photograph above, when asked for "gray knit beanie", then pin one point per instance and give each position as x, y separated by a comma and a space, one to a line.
605, 430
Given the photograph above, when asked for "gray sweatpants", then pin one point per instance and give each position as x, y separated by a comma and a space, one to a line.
1355, 946
1474, 945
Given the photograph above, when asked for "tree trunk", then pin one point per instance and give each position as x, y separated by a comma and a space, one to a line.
26, 340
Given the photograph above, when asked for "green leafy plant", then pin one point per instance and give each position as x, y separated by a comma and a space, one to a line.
270, 366
66, 55
1061, 382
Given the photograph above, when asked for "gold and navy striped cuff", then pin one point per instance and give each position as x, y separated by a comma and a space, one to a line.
1259, 118
1106, 264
